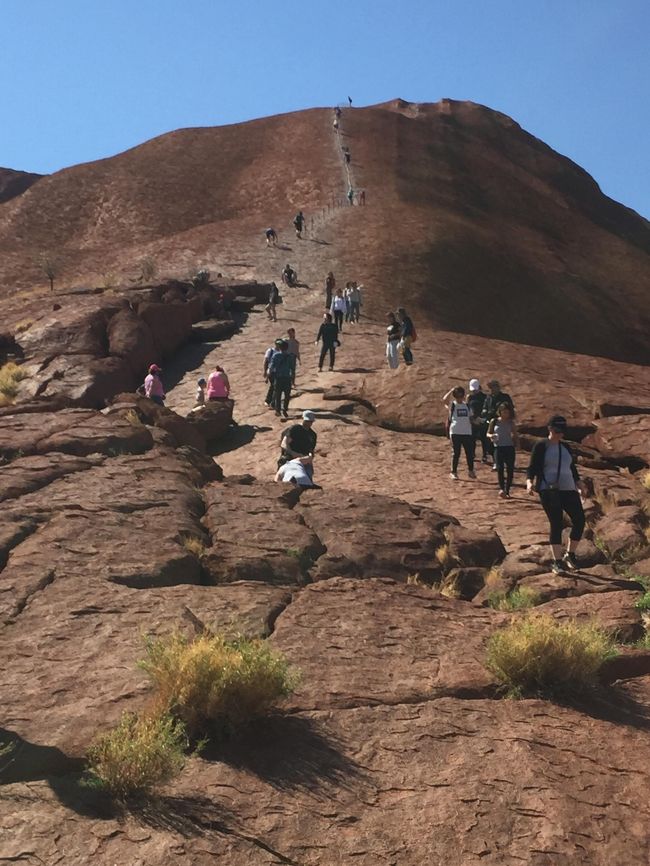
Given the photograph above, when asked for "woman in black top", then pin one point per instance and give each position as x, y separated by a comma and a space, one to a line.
329, 334
553, 474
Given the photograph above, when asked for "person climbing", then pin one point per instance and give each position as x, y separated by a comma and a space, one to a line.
268, 376
330, 285
329, 334
354, 301
338, 308
218, 384
153, 386
294, 345
347, 157
502, 432
476, 402
393, 332
199, 399
296, 472
335, 123
289, 276
337, 112
274, 296
552, 473
282, 367
271, 237
492, 402
350, 101
407, 336
460, 430
346, 297
299, 223
362, 197
299, 441
350, 196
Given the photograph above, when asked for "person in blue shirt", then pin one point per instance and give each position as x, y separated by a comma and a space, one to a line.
282, 368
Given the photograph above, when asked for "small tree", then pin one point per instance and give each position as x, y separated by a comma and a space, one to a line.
148, 269
50, 267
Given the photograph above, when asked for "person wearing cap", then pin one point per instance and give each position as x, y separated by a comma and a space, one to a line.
153, 386
552, 473
492, 402
476, 402
300, 441
282, 367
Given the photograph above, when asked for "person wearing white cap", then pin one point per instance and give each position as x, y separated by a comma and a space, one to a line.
476, 401
299, 441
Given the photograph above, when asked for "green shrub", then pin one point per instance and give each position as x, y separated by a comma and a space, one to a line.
212, 681
518, 599
138, 755
539, 654
644, 602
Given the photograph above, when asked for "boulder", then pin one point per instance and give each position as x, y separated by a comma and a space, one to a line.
599, 579
130, 337
213, 330
624, 440
613, 611
463, 583
470, 547
621, 531
170, 325
213, 420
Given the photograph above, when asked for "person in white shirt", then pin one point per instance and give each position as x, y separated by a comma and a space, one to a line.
294, 472
338, 309
461, 432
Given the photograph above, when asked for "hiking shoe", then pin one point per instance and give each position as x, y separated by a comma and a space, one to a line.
471, 473
502, 494
494, 467
454, 476
285, 414
557, 567
570, 560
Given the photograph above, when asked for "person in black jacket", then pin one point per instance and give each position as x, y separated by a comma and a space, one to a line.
329, 334
553, 474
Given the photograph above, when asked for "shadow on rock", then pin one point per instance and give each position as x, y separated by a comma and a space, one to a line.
613, 703
187, 816
235, 438
289, 752
23, 761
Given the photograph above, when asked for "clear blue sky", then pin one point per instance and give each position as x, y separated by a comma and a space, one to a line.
84, 80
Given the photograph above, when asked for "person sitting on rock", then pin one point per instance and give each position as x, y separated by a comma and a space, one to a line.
296, 471
299, 441
153, 386
218, 384
552, 473
289, 276
271, 237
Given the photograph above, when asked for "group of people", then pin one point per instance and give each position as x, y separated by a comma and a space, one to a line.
345, 304
216, 387
400, 336
552, 472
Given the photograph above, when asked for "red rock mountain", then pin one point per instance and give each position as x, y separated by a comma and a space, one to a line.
13, 183
472, 222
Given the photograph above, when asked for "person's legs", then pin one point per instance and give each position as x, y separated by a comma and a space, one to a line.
391, 354
269, 393
277, 395
338, 319
468, 448
509, 459
323, 352
572, 505
552, 505
332, 351
408, 354
485, 442
455, 452
286, 389
499, 456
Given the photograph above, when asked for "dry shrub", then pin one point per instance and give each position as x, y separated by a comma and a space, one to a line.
494, 576
444, 557
10, 375
518, 599
194, 546
212, 682
646, 480
539, 654
139, 754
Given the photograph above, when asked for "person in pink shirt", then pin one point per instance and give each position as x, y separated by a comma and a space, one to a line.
153, 386
218, 384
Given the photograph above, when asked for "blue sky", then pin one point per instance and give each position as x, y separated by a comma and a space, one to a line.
84, 80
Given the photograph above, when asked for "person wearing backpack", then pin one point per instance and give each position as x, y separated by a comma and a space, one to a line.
460, 430
268, 376
282, 368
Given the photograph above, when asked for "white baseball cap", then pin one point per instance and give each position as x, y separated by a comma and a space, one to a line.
308, 415
474, 385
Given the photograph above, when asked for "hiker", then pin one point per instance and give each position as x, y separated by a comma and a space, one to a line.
460, 430
218, 384
407, 336
347, 157
294, 345
295, 472
350, 101
346, 298
362, 198
329, 334
282, 367
338, 309
268, 376
274, 296
476, 402
492, 402
350, 192
354, 301
502, 432
271, 237
335, 123
393, 332
153, 386
337, 111
330, 284
299, 441
289, 276
199, 399
552, 473
299, 224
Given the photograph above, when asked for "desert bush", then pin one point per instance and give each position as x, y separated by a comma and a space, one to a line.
138, 755
644, 602
444, 557
148, 269
518, 599
10, 375
539, 654
646, 480
194, 545
213, 682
